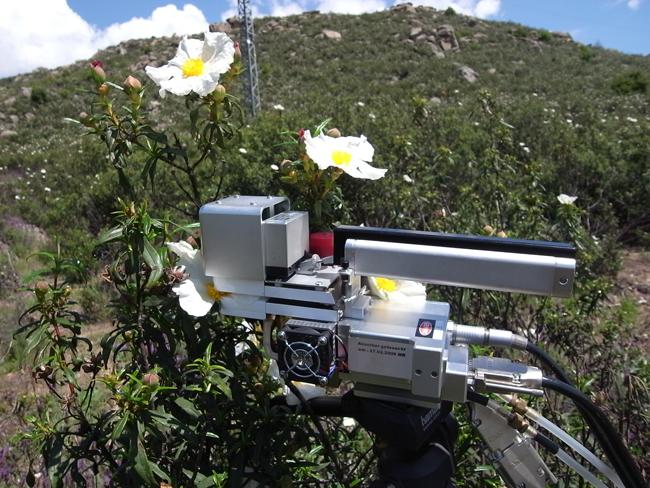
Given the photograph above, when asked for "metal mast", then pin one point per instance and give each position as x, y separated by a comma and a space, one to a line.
249, 57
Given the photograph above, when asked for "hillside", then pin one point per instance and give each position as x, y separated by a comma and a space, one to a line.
580, 111
481, 125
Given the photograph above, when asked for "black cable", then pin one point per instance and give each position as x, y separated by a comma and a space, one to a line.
624, 464
607, 441
544, 357
546, 443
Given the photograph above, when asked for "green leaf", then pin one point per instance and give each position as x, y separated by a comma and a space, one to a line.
187, 407
110, 235
119, 426
143, 466
153, 260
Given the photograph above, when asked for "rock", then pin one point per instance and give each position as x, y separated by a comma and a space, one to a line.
29, 116
10, 101
479, 35
224, 27
415, 31
435, 101
565, 36
8, 133
408, 41
121, 50
405, 7
421, 37
468, 74
447, 38
331, 34
14, 119
234, 22
2, 116
492, 71
26, 91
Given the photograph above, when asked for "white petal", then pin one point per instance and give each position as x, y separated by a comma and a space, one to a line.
183, 250
191, 47
191, 300
162, 73
202, 85
218, 52
177, 86
361, 169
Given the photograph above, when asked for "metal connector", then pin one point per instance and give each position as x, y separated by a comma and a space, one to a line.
482, 336
501, 375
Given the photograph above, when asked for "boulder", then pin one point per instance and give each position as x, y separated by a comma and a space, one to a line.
468, 74
224, 27
8, 133
415, 32
405, 7
29, 116
26, 91
14, 119
447, 38
234, 22
492, 71
331, 34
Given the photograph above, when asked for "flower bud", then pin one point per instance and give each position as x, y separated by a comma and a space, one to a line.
501, 234
301, 134
86, 119
488, 229
132, 84
237, 51
41, 287
103, 89
285, 164
334, 132
151, 379
219, 92
97, 70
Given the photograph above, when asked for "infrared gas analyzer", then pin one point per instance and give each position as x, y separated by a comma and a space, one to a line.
321, 325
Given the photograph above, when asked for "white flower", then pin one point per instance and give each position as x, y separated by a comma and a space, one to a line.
526, 149
43, 171
349, 422
566, 199
196, 67
407, 178
351, 154
196, 293
399, 291
372, 116
632, 119
243, 151
275, 167
278, 107
47, 189
361, 104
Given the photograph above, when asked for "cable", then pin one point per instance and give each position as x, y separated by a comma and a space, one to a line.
565, 437
616, 450
608, 439
548, 361
587, 475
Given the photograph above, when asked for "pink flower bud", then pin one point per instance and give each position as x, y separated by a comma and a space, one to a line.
97, 68
132, 83
237, 51
103, 89
151, 379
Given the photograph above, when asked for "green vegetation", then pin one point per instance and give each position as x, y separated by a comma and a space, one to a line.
546, 116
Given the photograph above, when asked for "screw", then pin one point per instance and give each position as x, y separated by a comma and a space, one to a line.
322, 381
322, 340
282, 336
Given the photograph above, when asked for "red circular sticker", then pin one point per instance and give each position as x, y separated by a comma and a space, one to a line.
425, 328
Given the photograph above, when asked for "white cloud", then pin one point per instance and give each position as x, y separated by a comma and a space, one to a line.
350, 6
48, 33
477, 8
284, 8
634, 4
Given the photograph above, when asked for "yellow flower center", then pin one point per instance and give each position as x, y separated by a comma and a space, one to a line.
192, 67
384, 284
215, 294
341, 158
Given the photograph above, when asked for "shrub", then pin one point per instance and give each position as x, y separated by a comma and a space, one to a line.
632, 82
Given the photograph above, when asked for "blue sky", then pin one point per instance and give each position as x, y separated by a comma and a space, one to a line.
612, 23
51, 33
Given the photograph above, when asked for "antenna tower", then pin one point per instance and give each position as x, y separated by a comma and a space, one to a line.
253, 101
